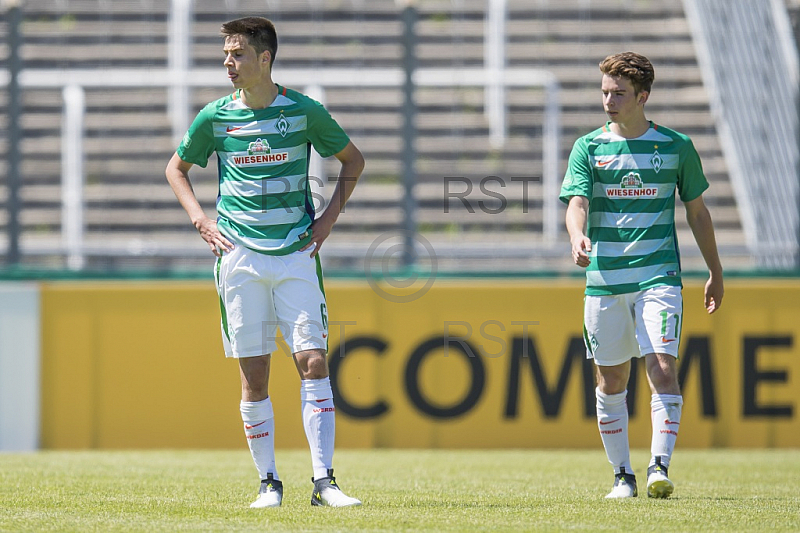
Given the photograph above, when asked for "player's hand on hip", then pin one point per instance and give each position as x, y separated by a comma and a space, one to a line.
215, 240
320, 230
581, 246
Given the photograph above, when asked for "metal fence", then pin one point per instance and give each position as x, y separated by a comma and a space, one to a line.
750, 68
465, 110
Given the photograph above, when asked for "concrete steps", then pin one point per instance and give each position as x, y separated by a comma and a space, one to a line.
129, 137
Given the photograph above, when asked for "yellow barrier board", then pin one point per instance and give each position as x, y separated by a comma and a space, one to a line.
468, 364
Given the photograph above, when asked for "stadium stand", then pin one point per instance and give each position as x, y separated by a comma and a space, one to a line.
133, 220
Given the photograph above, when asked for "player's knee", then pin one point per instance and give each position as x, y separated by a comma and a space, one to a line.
612, 386
665, 383
612, 380
317, 368
312, 364
663, 374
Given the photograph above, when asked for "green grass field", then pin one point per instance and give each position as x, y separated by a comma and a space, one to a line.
402, 490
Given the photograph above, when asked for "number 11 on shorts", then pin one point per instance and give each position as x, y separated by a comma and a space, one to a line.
665, 325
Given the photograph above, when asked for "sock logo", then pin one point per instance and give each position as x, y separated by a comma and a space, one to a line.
258, 436
254, 426
605, 422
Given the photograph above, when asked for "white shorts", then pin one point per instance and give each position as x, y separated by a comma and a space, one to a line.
619, 327
259, 292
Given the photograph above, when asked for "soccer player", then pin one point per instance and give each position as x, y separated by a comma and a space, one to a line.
620, 189
267, 241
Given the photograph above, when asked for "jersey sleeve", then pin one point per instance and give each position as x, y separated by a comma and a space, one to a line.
692, 180
578, 179
323, 132
198, 143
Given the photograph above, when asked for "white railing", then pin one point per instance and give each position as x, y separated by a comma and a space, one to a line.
180, 78
73, 83
749, 61
72, 175
494, 60
179, 59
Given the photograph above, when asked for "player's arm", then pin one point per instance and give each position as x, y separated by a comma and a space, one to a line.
577, 214
352, 165
177, 173
699, 220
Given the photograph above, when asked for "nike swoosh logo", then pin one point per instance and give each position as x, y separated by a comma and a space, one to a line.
668, 422
604, 163
603, 422
255, 426
229, 129
664, 339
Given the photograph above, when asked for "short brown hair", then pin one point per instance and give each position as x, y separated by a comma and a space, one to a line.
631, 66
259, 31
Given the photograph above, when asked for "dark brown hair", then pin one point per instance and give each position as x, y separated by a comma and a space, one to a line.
259, 32
631, 66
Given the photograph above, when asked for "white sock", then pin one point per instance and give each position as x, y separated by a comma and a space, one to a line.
259, 428
319, 420
666, 417
612, 420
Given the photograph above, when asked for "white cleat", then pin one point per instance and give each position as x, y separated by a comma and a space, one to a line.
658, 484
327, 493
270, 494
624, 487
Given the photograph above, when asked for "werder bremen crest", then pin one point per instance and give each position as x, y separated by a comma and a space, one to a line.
656, 161
282, 125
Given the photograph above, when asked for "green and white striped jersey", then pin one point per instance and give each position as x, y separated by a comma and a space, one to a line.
264, 200
630, 184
